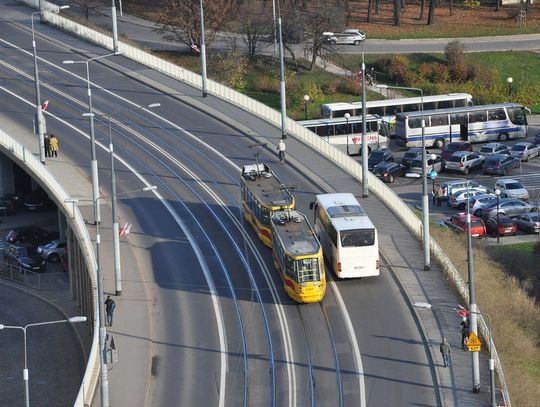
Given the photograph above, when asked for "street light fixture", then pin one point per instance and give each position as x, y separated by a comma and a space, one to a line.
306, 102
498, 194
427, 305
104, 388
509, 80
425, 202
39, 119
94, 165
347, 117
24, 328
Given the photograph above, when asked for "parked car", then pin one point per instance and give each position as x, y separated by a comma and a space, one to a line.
348, 36
30, 234
53, 251
510, 188
416, 165
24, 256
528, 222
505, 224
410, 155
500, 164
537, 139
451, 186
458, 223
507, 206
388, 171
464, 161
459, 198
525, 150
478, 201
380, 155
454, 147
490, 149
38, 201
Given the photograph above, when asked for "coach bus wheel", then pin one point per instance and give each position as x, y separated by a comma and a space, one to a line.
503, 137
439, 143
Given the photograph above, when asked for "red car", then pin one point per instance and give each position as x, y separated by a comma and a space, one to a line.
454, 147
507, 226
459, 222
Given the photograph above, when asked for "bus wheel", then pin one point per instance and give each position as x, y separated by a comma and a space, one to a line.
439, 143
503, 137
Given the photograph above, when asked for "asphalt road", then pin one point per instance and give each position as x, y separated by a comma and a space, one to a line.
221, 328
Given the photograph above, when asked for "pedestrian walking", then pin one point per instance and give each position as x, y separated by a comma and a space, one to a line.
47, 144
439, 194
281, 150
445, 352
110, 305
464, 324
53, 145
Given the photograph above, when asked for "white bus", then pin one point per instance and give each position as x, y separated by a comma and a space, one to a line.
500, 122
348, 238
388, 108
346, 135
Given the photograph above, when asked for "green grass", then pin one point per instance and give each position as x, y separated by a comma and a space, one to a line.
520, 249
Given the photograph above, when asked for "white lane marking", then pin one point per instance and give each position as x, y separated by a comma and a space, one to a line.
200, 257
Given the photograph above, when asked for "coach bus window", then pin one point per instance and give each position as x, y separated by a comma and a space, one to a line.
379, 111
458, 118
429, 106
475, 117
445, 104
439, 120
497, 114
415, 107
415, 123
516, 115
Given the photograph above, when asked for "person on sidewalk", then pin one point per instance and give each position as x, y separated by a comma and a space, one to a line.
110, 305
281, 150
439, 194
53, 143
47, 145
445, 352
464, 324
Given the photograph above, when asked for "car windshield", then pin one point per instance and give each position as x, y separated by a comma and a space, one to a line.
452, 147
377, 155
476, 223
534, 217
486, 149
411, 154
514, 185
493, 161
518, 147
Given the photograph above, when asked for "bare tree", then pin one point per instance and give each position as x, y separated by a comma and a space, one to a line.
179, 20
431, 12
397, 13
255, 29
316, 24
422, 6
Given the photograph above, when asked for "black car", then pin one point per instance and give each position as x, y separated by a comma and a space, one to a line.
30, 234
410, 155
500, 164
24, 256
37, 201
388, 171
380, 155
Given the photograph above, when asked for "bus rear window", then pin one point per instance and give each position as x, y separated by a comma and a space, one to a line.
357, 238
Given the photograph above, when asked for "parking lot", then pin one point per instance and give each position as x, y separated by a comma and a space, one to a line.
410, 189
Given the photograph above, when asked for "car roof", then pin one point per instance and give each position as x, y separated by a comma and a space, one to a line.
461, 153
506, 181
523, 143
495, 144
497, 157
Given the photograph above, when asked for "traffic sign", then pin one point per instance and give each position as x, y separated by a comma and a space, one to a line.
473, 343
433, 174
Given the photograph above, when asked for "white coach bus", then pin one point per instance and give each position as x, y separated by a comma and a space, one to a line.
347, 235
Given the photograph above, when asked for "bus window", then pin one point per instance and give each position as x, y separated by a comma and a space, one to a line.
379, 111
341, 129
461, 103
458, 118
497, 114
355, 238
445, 104
356, 127
429, 106
414, 107
475, 117
415, 123
516, 115
439, 120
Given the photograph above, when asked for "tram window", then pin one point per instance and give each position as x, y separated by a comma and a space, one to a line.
265, 215
497, 114
439, 120
458, 118
475, 117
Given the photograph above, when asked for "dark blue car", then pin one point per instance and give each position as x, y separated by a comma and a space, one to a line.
500, 164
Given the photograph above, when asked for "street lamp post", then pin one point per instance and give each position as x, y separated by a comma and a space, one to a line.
24, 328
39, 119
283, 96
425, 202
203, 53
498, 194
306, 102
365, 171
94, 165
509, 80
104, 388
426, 305
114, 26
347, 117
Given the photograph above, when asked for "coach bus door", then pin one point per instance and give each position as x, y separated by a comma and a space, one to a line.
464, 132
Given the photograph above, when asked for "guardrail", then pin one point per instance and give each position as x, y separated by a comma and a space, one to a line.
33, 166
385, 194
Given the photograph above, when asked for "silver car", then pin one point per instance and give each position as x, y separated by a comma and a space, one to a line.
510, 188
464, 161
459, 199
481, 200
53, 251
494, 148
528, 222
437, 165
506, 206
525, 150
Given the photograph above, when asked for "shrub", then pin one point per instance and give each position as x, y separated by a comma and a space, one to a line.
433, 72
382, 64
231, 69
349, 86
482, 74
398, 68
458, 73
330, 88
267, 84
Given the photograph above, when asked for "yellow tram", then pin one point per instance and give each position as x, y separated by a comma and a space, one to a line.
262, 195
298, 256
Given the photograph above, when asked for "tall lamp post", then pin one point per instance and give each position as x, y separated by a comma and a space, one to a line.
306, 102
114, 218
94, 165
498, 194
39, 119
114, 26
24, 328
365, 171
425, 202
509, 80
347, 117
203, 53
426, 305
104, 388
283, 96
